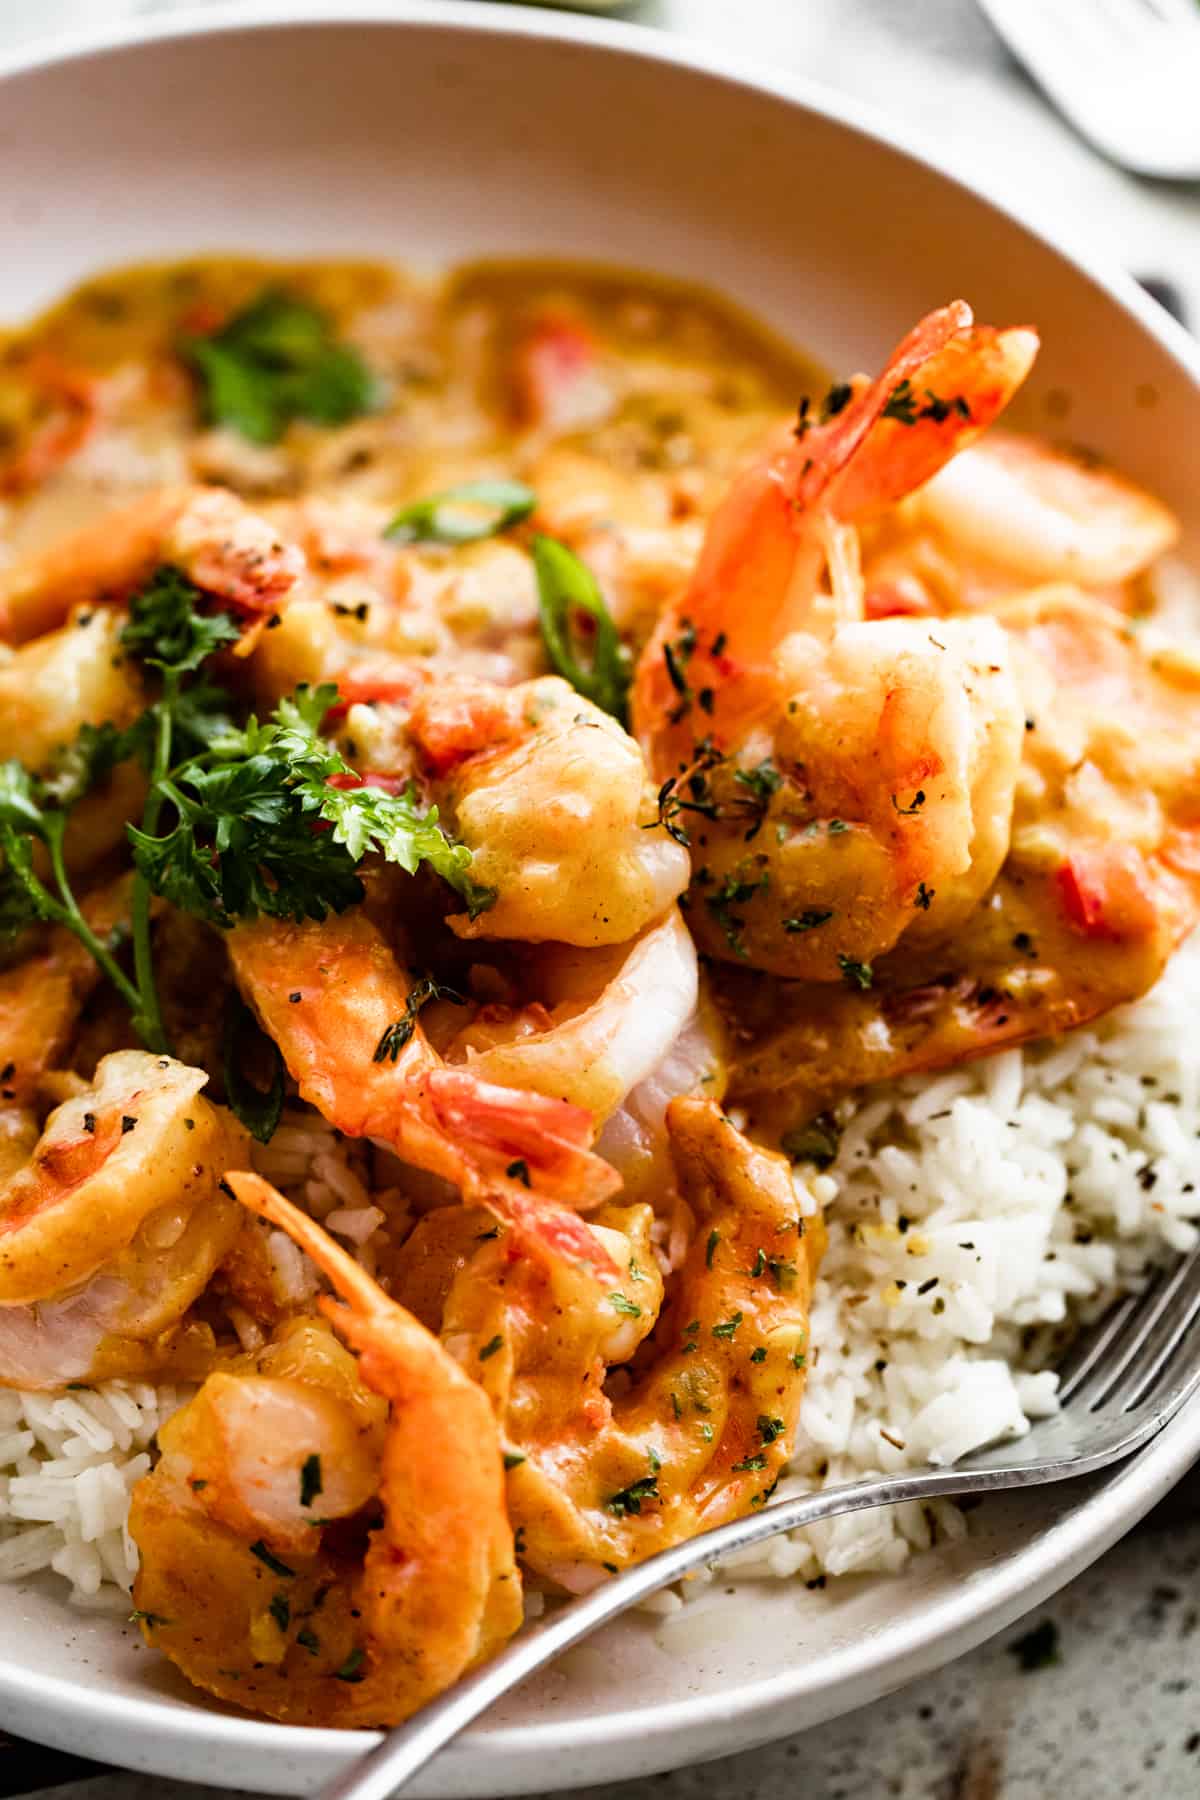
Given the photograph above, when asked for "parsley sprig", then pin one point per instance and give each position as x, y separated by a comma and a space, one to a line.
169, 634
263, 818
259, 828
275, 361
24, 898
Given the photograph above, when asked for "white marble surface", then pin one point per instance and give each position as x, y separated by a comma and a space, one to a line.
1120, 1713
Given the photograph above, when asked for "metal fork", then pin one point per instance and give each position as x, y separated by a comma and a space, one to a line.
1125, 72
1119, 1385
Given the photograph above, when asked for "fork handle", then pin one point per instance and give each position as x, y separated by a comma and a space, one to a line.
406, 1750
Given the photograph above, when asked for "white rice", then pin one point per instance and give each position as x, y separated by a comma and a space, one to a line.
972, 1217
977, 1214
69, 1464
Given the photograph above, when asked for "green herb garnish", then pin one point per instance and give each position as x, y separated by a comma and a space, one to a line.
736, 890
259, 1549
253, 822
906, 406
629, 1500
817, 1142
856, 974
398, 1034
621, 1304
275, 361
808, 920
463, 514
352, 1668
257, 1108
171, 636
310, 1479
581, 640
246, 838
762, 782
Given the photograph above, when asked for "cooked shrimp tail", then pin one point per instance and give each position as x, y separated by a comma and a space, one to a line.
438, 1588
505, 1127
766, 702
336, 1001
209, 533
362, 1307
941, 388
705, 1425
767, 542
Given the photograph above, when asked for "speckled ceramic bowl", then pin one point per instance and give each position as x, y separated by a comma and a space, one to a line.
442, 130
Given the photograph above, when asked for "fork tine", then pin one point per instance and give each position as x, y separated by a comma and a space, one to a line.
1086, 1354
1152, 1329
1175, 13
1166, 1334
1124, 73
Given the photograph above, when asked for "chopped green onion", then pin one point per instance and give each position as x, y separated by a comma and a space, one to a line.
568, 594
463, 514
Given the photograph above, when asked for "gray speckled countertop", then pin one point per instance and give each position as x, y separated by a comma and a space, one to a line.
1119, 1712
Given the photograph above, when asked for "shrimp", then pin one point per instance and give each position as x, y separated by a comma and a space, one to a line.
1102, 881
53, 686
552, 798
605, 1021
635, 1139
66, 679
41, 998
547, 791
61, 404
210, 534
1011, 512
706, 1425
115, 1224
336, 1001
260, 1576
836, 773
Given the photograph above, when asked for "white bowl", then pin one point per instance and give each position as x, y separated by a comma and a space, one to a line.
457, 128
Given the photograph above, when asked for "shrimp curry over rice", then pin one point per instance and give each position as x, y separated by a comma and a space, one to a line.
521, 809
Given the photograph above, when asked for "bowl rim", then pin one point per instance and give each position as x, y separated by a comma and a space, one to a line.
753, 1711
651, 43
